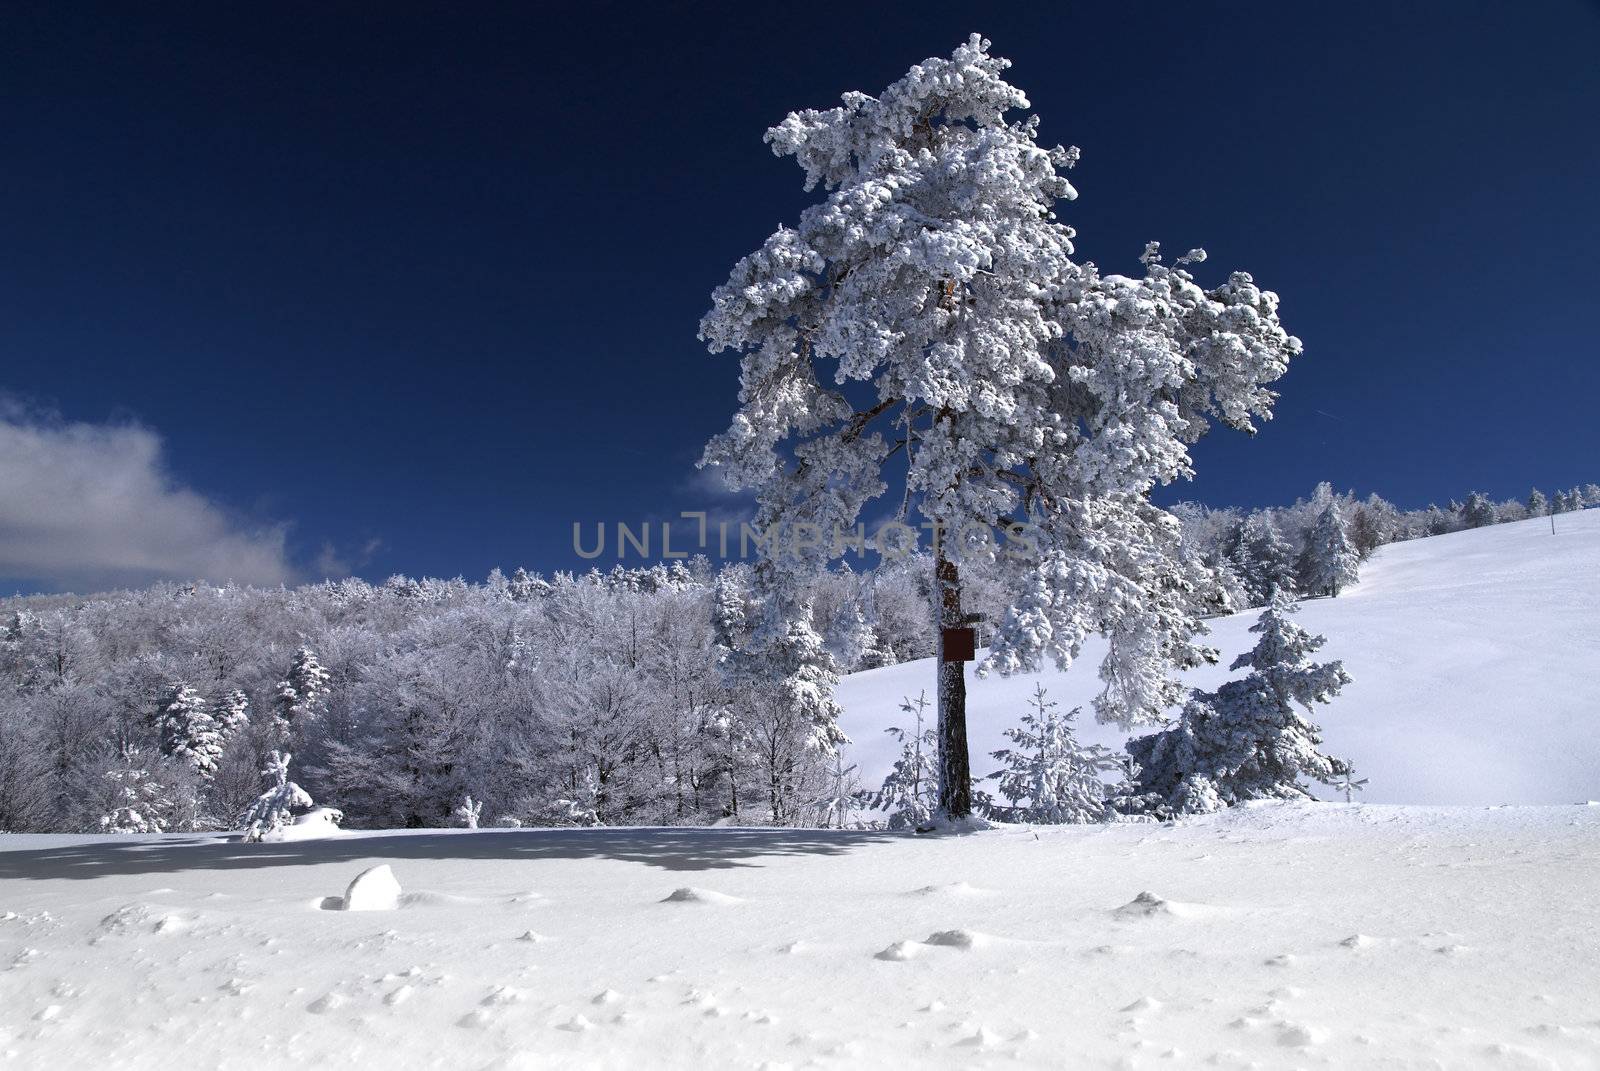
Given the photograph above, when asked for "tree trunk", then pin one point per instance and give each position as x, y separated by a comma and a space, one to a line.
955, 770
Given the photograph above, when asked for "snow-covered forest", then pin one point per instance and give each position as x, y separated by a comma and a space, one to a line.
606, 698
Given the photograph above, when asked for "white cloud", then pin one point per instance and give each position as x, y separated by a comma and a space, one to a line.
91, 506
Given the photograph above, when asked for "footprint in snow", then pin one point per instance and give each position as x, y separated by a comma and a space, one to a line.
955, 890
691, 895
1299, 1035
326, 1003
983, 1038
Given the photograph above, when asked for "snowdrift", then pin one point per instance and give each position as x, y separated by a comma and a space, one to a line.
1476, 658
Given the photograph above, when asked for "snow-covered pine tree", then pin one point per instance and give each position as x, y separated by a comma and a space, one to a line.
1249, 739
469, 812
850, 639
302, 695
187, 731
140, 803
273, 809
1591, 496
910, 792
1027, 390
1048, 776
1538, 505
1346, 781
1333, 561
582, 808
843, 795
781, 679
1263, 559
231, 715
1478, 511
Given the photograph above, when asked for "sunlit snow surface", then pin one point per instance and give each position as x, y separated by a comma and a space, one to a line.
1476, 659
1287, 935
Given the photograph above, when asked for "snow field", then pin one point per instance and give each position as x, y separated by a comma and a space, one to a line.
1270, 936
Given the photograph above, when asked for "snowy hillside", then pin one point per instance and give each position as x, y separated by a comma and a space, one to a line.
1275, 935
1476, 658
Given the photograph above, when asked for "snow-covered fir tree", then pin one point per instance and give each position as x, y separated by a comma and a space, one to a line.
468, 812
140, 803
302, 694
1263, 559
1332, 561
274, 808
910, 792
186, 730
1249, 739
1478, 511
231, 715
781, 679
1346, 781
1538, 505
1048, 776
1024, 387
582, 807
838, 804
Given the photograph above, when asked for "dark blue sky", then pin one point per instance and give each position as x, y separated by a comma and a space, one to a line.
431, 275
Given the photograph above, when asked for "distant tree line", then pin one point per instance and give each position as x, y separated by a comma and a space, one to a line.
653, 696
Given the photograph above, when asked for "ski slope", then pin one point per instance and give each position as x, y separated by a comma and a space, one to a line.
1476, 659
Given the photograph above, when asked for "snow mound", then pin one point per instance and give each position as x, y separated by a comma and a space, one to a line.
900, 951
955, 890
1148, 905
962, 939
688, 894
375, 889
319, 823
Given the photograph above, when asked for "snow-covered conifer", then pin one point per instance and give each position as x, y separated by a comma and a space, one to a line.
273, 809
1048, 776
1478, 512
140, 803
910, 792
1538, 505
302, 694
1020, 383
1333, 562
582, 807
231, 715
187, 731
1591, 496
469, 812
1263, 559
843, 795
1249, 739
1346, 781
850, 639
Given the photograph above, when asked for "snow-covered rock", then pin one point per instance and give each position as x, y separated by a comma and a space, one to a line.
375, 889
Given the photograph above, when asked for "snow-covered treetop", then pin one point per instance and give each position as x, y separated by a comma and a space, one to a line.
1025, 387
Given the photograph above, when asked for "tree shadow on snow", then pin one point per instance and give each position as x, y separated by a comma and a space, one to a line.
669, 848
